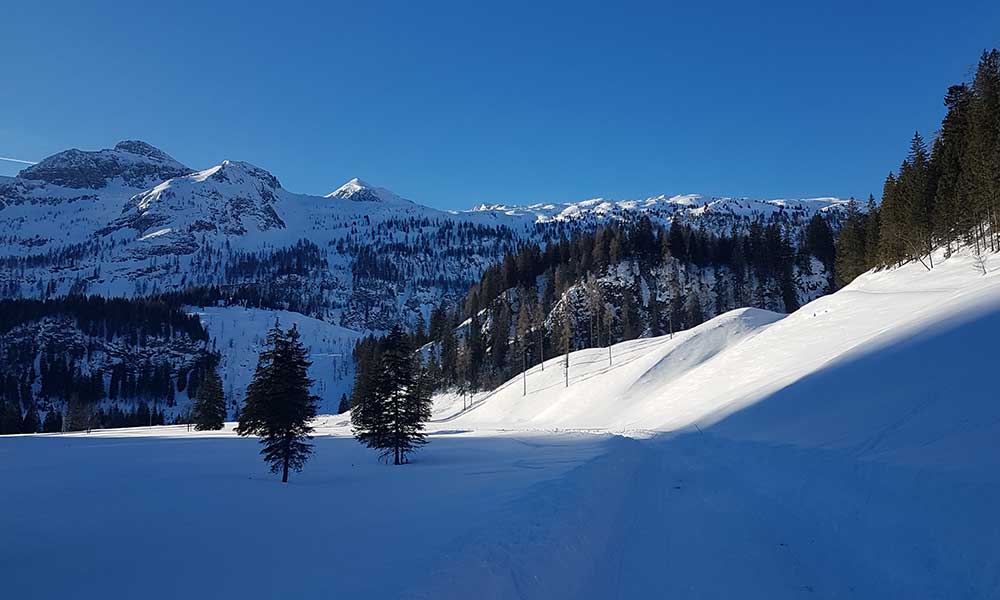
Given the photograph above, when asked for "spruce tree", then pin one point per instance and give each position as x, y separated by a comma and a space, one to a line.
278, 406
53, 421
389, 415
209, 412
10, 417
31, 423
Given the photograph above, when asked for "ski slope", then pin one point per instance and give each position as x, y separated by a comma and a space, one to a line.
848, 450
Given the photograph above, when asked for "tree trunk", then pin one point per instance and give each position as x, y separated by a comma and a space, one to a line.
284, 470
395, 455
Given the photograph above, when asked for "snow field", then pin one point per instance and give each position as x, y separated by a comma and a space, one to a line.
848, 450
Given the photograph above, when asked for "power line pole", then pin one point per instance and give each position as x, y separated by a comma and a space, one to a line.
567, 364
609, 342
541, 344
524, 371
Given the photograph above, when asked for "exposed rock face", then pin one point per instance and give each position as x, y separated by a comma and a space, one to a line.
136, 163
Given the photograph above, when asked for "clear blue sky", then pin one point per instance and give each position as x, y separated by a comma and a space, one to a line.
453, 104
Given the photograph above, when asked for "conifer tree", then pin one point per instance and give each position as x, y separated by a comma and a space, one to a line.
209, 411
10, 417
31, 423
79, 415
53, 422
278, 405
389, 415
851, 247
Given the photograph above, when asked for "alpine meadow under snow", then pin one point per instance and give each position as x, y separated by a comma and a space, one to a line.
847, 449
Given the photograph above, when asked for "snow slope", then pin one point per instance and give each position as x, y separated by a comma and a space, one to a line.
239, 334
729, 363
848, 450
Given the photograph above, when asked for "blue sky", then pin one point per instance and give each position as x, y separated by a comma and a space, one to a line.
455, 104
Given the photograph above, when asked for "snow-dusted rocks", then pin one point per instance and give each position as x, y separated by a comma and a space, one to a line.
717, 214
357, 190
231, 199
137, 164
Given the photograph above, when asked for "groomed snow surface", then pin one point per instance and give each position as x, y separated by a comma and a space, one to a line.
848, 450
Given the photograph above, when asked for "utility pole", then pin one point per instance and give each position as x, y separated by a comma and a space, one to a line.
524, 371
541, 344
609, 342
567, 363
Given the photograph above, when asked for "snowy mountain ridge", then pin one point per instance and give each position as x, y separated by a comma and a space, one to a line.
690, 206
124, 206
131, 221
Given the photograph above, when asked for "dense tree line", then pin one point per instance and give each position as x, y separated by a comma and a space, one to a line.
83, 362
942, 196
585, 289
106, 317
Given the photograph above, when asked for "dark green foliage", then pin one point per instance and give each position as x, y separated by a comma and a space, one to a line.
851, 259
31, 422
278, 405
943, 197
45, 372
10, 418
79, 415
106, 317
53, 422
209, 410
392, 401
819, 241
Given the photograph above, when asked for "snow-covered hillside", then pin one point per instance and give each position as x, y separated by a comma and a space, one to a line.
239, 334
848, 450
734, 361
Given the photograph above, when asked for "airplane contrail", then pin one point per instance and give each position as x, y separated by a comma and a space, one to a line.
18, 160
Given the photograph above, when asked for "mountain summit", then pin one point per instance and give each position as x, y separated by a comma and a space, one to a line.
357, 190
136, 163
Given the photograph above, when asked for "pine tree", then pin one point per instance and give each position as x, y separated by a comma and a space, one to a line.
278, 406
79, 415
10, 417
980, 178
952, 218
31, 423
390, 415
53, 422
209, 411
345, 404
851, 247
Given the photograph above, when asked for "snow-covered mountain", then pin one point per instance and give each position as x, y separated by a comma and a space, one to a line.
136, 164
715, 213
132, 221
